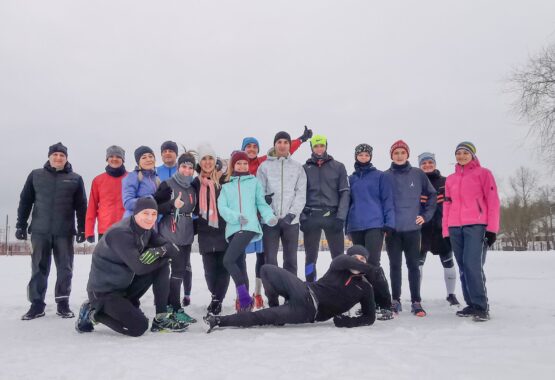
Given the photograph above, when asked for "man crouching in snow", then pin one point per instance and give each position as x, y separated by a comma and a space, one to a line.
344, 285
130, 258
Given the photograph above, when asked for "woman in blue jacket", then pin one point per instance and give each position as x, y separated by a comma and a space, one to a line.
239, 202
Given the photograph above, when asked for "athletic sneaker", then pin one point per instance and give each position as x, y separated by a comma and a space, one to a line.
181, 315
258, 301
35, 311
396, 306
212, 321
468, 311
84, 322
215, 307
384, 314
416, 309
452, 299
480, 316
64, 311
167, 322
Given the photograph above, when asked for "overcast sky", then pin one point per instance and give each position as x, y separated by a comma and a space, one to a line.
96, 73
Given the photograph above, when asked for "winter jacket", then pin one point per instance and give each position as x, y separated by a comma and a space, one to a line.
243, 195
210, 239
56, 198
115, 259
372, 203
432, 238
340, 289
327, 185
254, 163
471, 198
133, 189
164, 172
286, 180
105, 203
409, 185
176, 225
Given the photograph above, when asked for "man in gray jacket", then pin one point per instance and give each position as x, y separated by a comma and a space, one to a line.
284, 182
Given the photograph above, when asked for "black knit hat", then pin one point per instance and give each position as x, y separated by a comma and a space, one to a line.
58, 147
361, 148
143, 204
142, 150
186, 158
169, 145
282, 135
358, 250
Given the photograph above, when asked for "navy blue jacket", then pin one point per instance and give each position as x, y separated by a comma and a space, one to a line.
371, 203
410, 187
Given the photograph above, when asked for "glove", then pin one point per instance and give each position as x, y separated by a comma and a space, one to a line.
339, 224
342, 321
273, 221
307, 133
243, 220
163, 195
491, 237
152, 254
268, 198
21, 234
287, 219
80, 238
388, 230
90, 239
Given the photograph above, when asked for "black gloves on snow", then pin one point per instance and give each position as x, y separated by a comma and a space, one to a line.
307, 133
268, 198
345, 321
21, 234
80, 238
90, 239
491, 237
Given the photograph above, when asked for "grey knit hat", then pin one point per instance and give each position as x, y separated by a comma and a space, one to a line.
115, 150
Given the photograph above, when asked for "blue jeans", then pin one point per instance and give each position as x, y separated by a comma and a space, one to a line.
469, 246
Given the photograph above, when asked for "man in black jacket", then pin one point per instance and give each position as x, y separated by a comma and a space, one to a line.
56, 195
327, 204
345, 284
128, 259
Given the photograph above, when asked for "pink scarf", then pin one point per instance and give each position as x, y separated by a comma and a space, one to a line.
211, 215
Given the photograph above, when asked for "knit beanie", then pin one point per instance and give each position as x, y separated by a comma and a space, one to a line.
58, 147
426, 156
282, 135
318, 140
358, 250
468, 146
140, 151
169, 145
238, 155
115, 150
186, 158
399, 144
143, 204
206, 150
361, 148
249, 140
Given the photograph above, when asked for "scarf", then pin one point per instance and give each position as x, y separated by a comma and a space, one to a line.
208, 210
117, 172
182, 180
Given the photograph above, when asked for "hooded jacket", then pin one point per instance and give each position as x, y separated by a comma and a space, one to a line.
133, 189
254, 163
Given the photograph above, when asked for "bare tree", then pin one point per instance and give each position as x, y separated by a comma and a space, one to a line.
534, 85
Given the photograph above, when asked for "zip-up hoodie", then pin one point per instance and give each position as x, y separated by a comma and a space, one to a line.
285, 178
243, 195
254, 163
133, 189
471, 198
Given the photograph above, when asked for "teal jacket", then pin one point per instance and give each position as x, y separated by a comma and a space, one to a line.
243, 196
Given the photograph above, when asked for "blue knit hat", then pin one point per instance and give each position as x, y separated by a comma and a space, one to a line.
426, 156
249, 140
468, 146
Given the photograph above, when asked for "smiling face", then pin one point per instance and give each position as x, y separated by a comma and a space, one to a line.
400, 156
319, 149
186, 170
207, 165
364, 157
241, 166
428, 166
147, 161
114, 161
169, 157
146, 219
282, 147
463, 156
57, 160
251, 150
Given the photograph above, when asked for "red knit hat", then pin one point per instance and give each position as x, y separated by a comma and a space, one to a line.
399, 144
238, 155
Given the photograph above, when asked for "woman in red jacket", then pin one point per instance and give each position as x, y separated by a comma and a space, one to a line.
105, 203
471, 221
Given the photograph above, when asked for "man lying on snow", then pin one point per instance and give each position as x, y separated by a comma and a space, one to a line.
130, 258
345, 284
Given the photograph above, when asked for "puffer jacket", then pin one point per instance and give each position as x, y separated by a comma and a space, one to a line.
471, 198
286, 180
133, 189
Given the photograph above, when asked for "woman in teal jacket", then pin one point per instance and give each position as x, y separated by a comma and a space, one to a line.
240, 201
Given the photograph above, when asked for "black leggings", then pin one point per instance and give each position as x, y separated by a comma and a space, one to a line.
259, 262
397, 243
234, 259
299, 307
372, 240
217, 277
180, 273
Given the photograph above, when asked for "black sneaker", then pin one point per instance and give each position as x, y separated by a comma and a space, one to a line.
468, 311
384, 314
166, 322
84, 323
212, 321
35, 311
480, 316
215, 307
64, 311
452, 299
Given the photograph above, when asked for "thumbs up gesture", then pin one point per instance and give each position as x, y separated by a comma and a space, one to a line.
178, 203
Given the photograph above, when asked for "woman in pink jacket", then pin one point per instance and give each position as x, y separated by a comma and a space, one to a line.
471, 221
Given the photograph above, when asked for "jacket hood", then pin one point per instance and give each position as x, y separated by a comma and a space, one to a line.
67, 168
272, 155
242, 178
475, 163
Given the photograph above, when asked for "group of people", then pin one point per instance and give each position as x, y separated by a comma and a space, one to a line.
146, 221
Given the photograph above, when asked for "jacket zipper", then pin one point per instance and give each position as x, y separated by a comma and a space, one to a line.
460, 198
281, 200
240, 203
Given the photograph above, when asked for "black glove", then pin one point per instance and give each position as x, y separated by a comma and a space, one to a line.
21, 234
287, 219
90, 239
339, 224
268, 198
163, 195
491, 237
307, 133
80, 238
342, 321
388, 230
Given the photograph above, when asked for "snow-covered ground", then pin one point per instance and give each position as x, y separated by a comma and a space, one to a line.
518, 342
